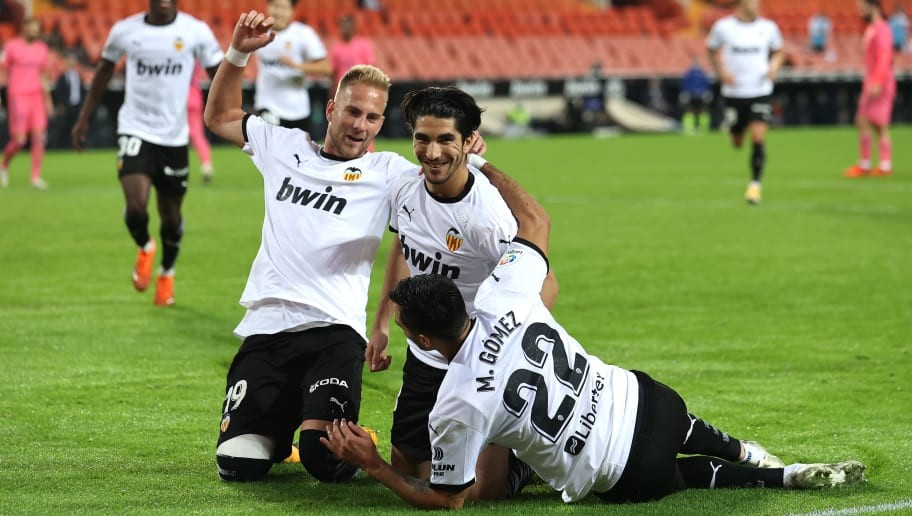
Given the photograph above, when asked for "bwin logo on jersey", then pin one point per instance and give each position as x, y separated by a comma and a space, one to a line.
351, 174
154, 69
438, 453
428, 264
453, 240
306, 197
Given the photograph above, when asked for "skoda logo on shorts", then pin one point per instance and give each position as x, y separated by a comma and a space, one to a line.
438, 453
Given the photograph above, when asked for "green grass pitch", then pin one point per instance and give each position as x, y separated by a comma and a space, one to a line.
789, 323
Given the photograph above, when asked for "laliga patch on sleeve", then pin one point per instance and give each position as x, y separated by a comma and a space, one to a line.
510, 257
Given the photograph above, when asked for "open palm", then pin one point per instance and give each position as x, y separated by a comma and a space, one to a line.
252, 32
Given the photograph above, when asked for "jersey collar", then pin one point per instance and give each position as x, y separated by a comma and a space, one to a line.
333, 157
450, 200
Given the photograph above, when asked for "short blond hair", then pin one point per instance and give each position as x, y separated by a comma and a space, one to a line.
365, 74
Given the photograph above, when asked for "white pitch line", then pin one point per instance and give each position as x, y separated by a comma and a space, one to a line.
867, 509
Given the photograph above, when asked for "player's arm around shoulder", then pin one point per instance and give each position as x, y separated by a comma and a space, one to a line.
223, 114
534, 222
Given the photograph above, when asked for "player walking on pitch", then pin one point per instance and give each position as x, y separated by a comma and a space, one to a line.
162, 46
450, 221
875, 106
746, 53
517, 378
25, 61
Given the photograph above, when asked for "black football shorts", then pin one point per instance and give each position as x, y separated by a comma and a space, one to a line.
420, 383
741, 112
277, 381
168, 167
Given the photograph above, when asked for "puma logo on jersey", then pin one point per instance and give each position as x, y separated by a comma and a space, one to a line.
155, 69
305, 197
428, 264
298, 158
407, 212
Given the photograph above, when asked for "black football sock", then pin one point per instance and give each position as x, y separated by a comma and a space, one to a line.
705, 439
758, 161
171, 235
709, 473
138, 225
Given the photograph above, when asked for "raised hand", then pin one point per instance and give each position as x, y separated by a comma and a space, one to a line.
252, 32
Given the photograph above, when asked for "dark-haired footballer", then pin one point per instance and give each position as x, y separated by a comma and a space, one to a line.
516, 378
162, 46
448, 221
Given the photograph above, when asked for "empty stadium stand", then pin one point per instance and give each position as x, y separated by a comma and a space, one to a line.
489, 39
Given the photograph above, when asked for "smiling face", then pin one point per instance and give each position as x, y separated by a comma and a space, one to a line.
440, 149
355, 117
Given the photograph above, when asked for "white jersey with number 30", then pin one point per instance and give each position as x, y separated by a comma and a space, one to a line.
160, 62
522, 382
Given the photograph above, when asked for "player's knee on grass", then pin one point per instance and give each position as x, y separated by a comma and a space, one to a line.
319, 461
242, 469
245, 458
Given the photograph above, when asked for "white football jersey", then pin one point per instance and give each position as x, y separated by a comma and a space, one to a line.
461, 238
324, 219
160, 61
745, 54
522, 382
280, 89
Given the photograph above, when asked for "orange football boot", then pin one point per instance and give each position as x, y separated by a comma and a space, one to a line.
880, 172
855, 172
164, 290
142, 271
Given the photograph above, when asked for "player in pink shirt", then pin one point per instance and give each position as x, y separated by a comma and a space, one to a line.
195, 121
25, 61
352, 50
875, 106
